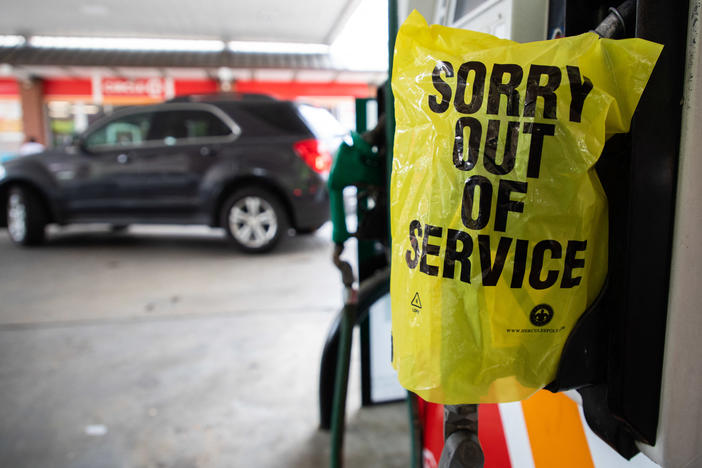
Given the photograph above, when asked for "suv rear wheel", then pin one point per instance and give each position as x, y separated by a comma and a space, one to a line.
26, 216
253, 219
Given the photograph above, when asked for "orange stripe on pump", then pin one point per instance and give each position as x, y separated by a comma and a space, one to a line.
556, 432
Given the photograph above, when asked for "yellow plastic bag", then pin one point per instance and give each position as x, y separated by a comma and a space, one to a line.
499, 222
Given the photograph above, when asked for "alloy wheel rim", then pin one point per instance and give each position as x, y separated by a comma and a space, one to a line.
16, 217
253, 222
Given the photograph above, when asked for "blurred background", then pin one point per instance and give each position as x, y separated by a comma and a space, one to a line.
65, 63
163, 346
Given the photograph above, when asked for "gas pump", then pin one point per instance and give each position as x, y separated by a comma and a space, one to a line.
632, 356
616, 355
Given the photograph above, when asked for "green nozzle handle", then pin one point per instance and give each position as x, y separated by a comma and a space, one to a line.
355, 164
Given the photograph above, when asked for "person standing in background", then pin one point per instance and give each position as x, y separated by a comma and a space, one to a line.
30, 146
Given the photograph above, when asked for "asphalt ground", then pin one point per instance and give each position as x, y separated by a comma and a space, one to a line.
165, 347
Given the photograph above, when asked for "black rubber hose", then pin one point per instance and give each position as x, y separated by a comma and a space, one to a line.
327, 373
370, 291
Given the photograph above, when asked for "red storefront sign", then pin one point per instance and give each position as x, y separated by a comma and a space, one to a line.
145, 90
8, 87
184, 87
66, 88
294, 89
153, 88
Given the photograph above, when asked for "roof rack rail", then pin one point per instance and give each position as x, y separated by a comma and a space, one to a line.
222, 97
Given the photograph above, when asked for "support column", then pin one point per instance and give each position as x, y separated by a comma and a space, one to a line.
33, 119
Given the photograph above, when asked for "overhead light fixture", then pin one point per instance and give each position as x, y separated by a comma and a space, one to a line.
11, 40
278, 47
132, 43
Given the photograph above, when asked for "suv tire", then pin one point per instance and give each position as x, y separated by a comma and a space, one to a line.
254, 219
26, 216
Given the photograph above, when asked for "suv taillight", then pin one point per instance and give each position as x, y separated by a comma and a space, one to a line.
320, 161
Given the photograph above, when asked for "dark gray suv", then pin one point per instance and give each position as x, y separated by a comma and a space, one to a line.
252, 166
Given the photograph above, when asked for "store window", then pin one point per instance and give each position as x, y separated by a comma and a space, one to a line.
11, 135
70, 118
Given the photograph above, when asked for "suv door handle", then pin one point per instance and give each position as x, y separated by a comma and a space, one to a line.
123, 158
208, 151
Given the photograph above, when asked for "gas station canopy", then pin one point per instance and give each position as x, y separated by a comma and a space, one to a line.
311, 21
37, 36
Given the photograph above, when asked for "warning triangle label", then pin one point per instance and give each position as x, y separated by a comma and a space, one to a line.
416, 302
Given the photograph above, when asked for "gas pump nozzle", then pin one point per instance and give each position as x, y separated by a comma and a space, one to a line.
615, 22
357, 164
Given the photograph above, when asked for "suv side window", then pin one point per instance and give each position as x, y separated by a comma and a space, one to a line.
264, 119
183, 126
129, 130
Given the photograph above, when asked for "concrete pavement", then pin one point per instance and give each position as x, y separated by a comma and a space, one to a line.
162, 347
